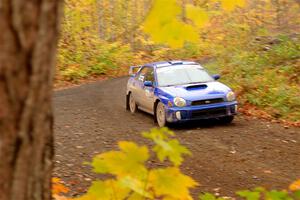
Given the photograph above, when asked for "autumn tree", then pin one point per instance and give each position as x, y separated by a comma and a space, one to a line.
28, 40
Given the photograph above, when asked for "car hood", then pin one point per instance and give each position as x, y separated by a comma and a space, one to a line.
197, 91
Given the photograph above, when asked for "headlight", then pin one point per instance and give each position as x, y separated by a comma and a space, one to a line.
179, 102
230, 96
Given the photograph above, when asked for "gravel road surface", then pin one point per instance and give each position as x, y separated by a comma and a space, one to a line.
91, 119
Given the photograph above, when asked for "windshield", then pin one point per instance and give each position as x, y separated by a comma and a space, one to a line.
181, 75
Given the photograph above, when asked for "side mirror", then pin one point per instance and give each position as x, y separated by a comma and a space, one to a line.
216, 76
148, 84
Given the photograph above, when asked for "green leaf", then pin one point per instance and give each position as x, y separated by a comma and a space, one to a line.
297, 194
207, 196
278, 195
249, 195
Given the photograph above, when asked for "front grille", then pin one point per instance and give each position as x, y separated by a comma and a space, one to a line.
207, 101
209, 112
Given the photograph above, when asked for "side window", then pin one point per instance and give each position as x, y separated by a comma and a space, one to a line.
142, 74
150, 75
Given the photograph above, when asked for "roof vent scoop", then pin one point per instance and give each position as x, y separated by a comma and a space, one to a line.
196, 87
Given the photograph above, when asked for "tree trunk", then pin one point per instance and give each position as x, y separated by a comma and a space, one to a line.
112, 22
100, 9
28, 40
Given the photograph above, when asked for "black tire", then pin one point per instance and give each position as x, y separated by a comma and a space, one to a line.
127, 102
227, 119
132, 104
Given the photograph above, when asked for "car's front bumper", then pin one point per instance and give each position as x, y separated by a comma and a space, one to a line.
180, 114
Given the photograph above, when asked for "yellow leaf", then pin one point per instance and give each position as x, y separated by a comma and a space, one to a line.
295, 186
105, 190
161, 133
165, 147
129, 161
164, 26
170, 183
136, 185
171, 149
230, 5
197, 15
136, 196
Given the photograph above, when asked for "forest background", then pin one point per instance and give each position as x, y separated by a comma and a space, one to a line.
254, 46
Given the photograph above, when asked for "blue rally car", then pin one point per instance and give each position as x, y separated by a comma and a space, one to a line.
177, 91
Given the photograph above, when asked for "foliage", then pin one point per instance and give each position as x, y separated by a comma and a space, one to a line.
82, 53
253, 44
58, 189
164, 26
254, 58
268, 79
166, 147
134, 179
260, 193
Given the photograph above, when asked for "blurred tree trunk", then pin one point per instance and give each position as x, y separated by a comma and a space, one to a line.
278, 13
112, 22
100, 4
28, 40
183, 14
134, 22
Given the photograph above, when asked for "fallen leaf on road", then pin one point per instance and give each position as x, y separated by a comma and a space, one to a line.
295, 186
57, 197
268, 172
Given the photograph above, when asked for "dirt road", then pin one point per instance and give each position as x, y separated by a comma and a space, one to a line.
91, 119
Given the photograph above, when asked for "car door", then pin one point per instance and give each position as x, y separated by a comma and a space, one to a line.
138, 85
147, 92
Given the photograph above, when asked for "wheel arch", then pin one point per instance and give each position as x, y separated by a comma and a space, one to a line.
154, 108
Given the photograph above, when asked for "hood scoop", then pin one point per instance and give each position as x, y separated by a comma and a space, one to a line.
196, 87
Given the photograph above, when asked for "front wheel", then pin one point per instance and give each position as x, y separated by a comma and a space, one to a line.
227, 119
161, 114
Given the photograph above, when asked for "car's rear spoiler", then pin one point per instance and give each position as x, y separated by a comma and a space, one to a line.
133, 70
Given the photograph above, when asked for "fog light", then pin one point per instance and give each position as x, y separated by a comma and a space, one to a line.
178, 115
